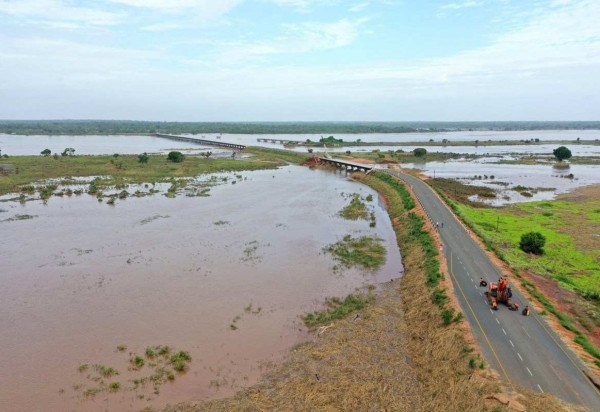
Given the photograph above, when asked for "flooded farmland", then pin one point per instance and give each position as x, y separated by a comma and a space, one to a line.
538, 182
223, 277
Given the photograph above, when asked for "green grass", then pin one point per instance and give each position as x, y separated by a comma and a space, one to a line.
126, 168
337, 309
574, 267
365, 252
277, 155
357, 209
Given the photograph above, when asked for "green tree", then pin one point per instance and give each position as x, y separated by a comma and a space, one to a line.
69, 151
175, 157
46, 152
533, 242
420, 152
561, 153
143, 158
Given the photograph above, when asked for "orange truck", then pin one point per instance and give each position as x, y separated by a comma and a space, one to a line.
499, 292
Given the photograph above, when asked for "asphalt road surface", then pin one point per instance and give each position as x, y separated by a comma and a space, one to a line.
523, 349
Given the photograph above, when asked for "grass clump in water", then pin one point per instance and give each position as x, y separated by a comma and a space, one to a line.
337, 309
180, 360
105, 371
355, 210
366, 252
137, 361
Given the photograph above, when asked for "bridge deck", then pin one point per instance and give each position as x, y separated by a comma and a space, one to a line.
201, 141
346, 163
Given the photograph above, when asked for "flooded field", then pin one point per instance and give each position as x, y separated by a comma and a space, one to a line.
545, 181
499, 151
224, 277
15, 145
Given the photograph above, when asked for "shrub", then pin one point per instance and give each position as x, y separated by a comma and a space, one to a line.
46, 152
447, 316
561, 153
175, 157
420, 152
143, 158
532, 242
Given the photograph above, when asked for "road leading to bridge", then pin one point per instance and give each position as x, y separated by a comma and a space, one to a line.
523, 349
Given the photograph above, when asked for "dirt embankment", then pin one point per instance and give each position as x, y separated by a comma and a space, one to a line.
395, 355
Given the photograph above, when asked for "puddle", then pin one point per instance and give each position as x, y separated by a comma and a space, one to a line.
83, 277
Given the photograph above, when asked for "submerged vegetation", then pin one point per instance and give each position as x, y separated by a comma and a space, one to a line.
365, 252
338, 308
357, 209
129, 169
157, 366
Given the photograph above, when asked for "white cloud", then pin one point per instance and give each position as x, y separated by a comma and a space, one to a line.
463, 5
302, 6
205, 9
59, 10
162, 27
297, 38
355, 8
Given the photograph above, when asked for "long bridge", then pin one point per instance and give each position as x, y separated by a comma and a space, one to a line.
345, 164
282, 141
201, 141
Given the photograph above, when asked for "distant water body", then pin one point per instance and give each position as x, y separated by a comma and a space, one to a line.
128, 144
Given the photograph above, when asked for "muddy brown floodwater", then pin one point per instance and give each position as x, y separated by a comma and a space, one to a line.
82, 277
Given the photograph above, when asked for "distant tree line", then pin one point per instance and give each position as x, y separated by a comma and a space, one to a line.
105, 127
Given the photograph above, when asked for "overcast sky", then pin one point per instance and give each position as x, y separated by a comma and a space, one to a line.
240, 60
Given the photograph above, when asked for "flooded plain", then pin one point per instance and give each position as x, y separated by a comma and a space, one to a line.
543, 182
225, 277
15, 145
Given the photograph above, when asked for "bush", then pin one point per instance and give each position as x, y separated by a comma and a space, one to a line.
175, 157
561, 153
46, 152
143, 158
533, 242
420, 152
447, 316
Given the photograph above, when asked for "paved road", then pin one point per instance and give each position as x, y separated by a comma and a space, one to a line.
523, 349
